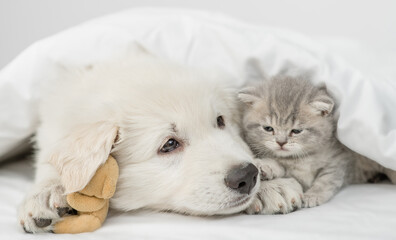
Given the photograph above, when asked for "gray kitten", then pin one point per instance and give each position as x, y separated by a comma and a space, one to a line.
290, 125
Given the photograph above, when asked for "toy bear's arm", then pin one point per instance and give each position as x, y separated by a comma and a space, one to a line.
103, 183
84, 203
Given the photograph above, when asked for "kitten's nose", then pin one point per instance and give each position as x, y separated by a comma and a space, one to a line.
281, 143
242, 178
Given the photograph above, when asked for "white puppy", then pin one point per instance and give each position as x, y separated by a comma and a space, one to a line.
174, 133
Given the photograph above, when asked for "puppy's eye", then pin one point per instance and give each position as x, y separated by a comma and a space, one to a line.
169, 146
220, 122
296, 131
268, 129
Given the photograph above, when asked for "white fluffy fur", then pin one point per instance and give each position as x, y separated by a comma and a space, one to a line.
142, 104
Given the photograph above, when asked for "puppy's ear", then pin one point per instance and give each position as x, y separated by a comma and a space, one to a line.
248, 96
79, 155
322, 104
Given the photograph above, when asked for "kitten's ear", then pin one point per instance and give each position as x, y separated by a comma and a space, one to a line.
248, 96
254, 71
322, 104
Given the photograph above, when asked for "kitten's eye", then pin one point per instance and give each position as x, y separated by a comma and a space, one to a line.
169, 146
296, 131
268, 129
220, 122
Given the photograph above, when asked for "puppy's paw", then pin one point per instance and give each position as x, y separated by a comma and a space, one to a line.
42, 209
278, 196
269, 169
256, 207
312, 200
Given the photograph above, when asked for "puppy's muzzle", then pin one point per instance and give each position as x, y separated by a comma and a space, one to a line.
242, 178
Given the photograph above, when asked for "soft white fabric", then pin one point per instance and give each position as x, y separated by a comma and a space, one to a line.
367, 118
357, 212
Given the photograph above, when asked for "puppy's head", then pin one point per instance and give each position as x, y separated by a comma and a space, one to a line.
180, 147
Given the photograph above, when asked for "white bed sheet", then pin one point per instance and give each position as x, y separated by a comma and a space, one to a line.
357, 212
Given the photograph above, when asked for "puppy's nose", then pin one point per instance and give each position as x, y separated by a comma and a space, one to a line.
242, 178
281, 143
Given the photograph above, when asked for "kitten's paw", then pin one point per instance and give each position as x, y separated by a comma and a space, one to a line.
312, 200
269, 169
278, 196
41, 210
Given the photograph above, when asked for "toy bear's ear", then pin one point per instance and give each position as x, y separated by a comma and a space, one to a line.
78, 155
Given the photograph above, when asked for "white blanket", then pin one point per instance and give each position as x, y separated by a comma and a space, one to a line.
367, 121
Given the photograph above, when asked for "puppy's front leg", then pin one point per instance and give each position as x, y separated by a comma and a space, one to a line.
46, 202
281, 195
62, 168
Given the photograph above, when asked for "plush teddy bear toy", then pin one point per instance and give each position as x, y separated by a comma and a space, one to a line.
91, 203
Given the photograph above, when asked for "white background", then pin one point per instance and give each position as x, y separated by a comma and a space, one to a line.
372, 22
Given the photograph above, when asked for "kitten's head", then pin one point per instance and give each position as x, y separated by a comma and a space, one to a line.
287, 117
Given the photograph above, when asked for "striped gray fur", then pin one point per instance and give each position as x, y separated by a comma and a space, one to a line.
313, 157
